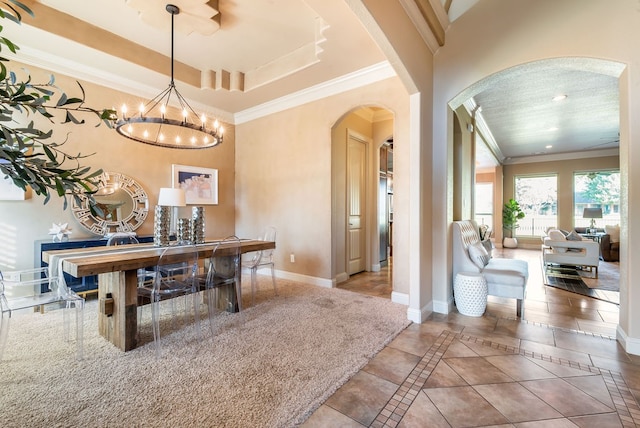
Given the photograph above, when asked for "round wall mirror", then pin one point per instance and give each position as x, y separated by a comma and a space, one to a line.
121, 205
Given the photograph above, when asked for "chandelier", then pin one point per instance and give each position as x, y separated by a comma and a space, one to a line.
153, 123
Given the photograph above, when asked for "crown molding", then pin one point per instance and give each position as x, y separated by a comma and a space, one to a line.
430, 20
585, 154
357, 79
103, 77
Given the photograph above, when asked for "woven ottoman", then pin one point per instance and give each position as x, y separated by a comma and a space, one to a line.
470, 293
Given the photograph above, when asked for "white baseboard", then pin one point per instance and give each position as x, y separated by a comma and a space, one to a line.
443, 307
306, 279
341, 277
376, 267
630, 344
420, 316
402, 298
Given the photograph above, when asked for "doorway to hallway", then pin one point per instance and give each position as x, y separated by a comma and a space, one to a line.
378, 284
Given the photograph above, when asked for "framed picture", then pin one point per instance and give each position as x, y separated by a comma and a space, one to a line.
200, 185
9, 191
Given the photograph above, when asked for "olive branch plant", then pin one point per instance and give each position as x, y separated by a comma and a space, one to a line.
29, 155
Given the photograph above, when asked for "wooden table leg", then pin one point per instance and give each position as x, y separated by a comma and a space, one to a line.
119, 323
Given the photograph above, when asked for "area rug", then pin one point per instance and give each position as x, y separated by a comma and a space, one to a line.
270, 365
579, 281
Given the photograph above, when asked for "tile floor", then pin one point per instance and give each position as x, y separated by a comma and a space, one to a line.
559, 367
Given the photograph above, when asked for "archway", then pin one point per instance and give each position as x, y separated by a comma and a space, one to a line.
371, 127
610, 69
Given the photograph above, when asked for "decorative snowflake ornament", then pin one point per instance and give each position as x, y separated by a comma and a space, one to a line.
60, 232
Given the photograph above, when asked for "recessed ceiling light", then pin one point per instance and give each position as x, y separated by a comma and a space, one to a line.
548, 146
559, 97
553, 128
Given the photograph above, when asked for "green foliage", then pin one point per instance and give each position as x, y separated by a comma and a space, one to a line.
28, 155
511, 213
602, 188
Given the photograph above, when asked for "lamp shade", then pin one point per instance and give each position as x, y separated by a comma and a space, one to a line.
592, 213
170, 197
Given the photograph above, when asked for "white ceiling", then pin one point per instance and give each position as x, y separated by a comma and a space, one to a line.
524, 120
281, 47
284, 48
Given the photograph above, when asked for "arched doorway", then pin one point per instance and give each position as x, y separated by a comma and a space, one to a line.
564, 165
357, 198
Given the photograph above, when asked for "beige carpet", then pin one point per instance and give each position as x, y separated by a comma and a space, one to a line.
269, 366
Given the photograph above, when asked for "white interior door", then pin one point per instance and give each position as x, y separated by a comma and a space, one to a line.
356, 205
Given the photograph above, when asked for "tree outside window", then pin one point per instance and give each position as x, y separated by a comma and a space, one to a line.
597, 189
538, 198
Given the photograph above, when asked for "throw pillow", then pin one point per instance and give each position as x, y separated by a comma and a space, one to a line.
574, 236
556, 235
478, 255
613, 232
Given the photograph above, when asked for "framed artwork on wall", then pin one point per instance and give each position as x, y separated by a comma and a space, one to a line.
9, 191
200, 185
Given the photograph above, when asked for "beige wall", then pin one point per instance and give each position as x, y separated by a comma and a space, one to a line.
463, 165
523, 31
284, 178
393, 31
564, 170
27, 221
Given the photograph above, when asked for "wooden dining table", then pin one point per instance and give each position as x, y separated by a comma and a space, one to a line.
117, 270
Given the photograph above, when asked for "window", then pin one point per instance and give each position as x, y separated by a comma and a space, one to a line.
484, 204
596, 189
538, 199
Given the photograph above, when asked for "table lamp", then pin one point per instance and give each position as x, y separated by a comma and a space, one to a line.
593, 214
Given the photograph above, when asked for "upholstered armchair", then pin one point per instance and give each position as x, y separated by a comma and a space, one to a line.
610, 244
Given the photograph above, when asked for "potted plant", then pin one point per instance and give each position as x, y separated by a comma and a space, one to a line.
511, 213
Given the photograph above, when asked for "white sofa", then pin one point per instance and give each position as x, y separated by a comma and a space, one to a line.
557, 249
505, 277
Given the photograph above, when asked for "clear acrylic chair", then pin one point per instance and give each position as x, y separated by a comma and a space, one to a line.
175, 277
118, 238
223, 272
122, 239
259, 259
22, 290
